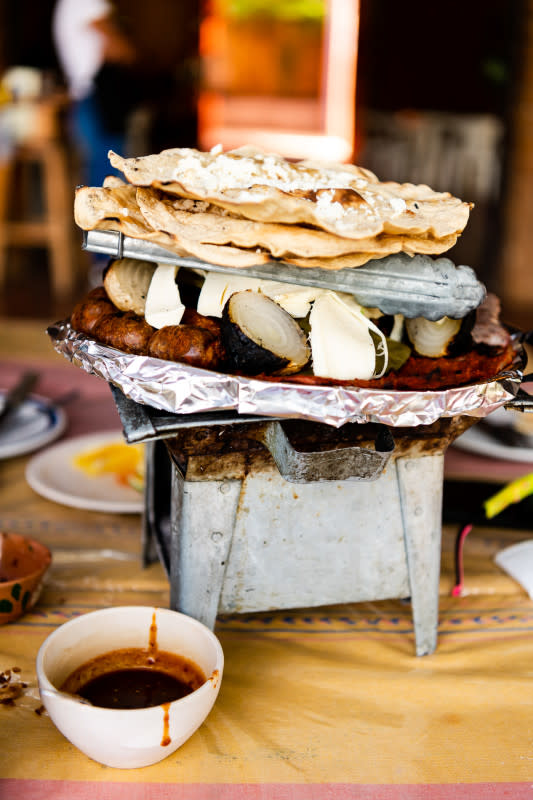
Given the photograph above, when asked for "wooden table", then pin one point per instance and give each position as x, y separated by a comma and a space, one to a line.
317, 703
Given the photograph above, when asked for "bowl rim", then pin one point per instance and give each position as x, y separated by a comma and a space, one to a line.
47, 560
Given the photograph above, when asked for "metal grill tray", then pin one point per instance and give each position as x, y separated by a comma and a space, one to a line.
416, 286
181, 389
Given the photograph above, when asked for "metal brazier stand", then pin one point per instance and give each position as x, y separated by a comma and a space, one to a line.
253, 514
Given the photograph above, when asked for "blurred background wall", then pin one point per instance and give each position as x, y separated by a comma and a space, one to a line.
438, 93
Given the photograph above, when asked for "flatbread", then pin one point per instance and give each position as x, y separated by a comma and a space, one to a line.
114, 207
205, 223
349, 261
342, 199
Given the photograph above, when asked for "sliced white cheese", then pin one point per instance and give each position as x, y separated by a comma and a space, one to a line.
296, 300
341, 344
218, 288
163, 301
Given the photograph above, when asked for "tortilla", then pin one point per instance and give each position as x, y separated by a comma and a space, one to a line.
342, 199
115, 208
205, 223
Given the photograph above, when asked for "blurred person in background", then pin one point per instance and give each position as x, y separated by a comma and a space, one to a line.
98, 62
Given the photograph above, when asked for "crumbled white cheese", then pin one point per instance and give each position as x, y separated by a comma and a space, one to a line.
185, 204
243, 177
226, 171
398, 205
194, 206
329, 209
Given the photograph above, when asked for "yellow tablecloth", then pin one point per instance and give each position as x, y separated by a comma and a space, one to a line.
316, 703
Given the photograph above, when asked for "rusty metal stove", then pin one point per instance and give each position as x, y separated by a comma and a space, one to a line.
251, 514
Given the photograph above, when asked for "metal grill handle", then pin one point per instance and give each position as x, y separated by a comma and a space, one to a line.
522, 401
347, 463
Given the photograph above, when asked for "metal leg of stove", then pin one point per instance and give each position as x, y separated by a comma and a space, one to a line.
203, 519
420, 483
157, 500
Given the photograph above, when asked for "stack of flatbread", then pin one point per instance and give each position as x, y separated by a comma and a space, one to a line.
246, 207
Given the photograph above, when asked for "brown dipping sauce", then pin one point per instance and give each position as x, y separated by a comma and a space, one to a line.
134, 678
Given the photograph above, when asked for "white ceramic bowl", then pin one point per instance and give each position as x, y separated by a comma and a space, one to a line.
132, 737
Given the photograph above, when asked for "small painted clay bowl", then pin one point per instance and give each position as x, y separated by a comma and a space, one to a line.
23, 564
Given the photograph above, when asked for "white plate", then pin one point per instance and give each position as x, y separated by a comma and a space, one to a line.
36, 422
54, 475
479, 441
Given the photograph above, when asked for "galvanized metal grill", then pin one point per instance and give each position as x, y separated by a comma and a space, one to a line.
249, 513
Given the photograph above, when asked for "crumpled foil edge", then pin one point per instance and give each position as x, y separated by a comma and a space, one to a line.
179, 388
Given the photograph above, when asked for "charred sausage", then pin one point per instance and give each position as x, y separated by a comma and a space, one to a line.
88, 311
192, 317
187, 343
124, 330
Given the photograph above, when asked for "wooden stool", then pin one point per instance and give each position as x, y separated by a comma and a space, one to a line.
54, 229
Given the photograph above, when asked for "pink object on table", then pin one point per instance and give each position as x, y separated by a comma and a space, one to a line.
459, 464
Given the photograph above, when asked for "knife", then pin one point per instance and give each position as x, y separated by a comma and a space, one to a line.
17, 395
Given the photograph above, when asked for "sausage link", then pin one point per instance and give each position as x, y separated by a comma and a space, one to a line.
189, 344
88, 311
124, 330
192, 317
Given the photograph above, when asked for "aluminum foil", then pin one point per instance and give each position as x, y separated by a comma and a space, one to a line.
178, 388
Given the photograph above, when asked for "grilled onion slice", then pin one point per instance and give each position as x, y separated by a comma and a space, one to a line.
261, 336
432, 339
126, 281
